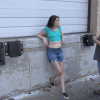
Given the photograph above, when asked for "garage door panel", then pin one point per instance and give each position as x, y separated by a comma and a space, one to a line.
30, 31
46, 5
41, 13
32, 22
28, 17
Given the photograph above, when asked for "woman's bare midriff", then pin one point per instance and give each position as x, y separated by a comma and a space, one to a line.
56, 44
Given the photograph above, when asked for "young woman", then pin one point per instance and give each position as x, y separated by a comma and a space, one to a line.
97, 56
54, 50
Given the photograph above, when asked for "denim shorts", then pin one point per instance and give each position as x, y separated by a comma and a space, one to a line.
99, 67
55, 54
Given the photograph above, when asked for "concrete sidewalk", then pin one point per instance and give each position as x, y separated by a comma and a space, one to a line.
80, 89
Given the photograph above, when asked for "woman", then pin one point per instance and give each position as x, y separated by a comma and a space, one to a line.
96, 39
54, 50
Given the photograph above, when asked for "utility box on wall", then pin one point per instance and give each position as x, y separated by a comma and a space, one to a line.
14, 48
87, 40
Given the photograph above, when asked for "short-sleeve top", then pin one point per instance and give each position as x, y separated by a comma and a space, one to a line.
53, 35
97, 52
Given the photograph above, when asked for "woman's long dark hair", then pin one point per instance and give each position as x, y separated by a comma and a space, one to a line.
51, 21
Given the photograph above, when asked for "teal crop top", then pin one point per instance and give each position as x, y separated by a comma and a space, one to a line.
53, 35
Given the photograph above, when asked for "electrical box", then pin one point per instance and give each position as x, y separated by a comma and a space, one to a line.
14, 48
88, 40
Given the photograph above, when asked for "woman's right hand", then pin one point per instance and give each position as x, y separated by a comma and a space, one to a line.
96, 35
45, 42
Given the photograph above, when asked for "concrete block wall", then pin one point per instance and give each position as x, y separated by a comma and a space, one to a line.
32, 70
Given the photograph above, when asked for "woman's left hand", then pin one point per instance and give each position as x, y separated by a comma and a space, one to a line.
94, 37
63, 40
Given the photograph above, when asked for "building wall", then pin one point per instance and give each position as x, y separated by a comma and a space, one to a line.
95, 16
98, 17
32, 70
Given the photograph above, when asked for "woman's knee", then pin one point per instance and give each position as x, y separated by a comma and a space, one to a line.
61, 71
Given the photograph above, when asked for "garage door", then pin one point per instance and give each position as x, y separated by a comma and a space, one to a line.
28, 17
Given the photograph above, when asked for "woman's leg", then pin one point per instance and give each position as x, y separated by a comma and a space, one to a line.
62, 78
99, 67
58, 69
98, 91
59, 66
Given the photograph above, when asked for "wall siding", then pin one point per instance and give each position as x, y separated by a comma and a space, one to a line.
28, 17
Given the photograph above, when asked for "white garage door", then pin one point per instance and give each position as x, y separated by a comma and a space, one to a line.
28, 17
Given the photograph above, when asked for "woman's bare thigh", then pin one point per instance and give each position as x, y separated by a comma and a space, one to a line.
61, 65
57, 66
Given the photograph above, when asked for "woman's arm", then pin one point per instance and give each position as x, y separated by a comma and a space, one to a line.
62, 37
96, 36
97, 41
39, 35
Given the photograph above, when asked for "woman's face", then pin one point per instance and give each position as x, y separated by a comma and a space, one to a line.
56, 23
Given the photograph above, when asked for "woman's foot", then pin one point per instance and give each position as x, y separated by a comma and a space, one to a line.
51, 84
97, 92
65, 95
